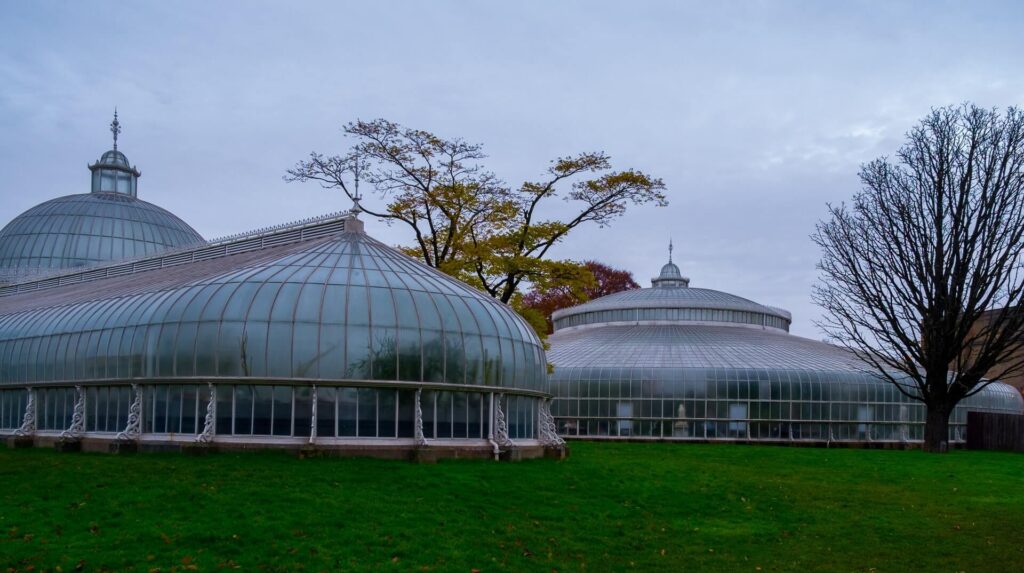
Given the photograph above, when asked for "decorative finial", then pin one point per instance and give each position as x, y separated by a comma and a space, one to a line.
357, 167
670, 249
115, 128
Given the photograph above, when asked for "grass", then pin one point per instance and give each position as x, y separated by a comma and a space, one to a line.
610, 507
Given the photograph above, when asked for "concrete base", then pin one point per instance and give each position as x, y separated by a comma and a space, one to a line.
424, 455
556, 452
20, 442
311, 451
434, 452
513, 455
122, 447
72, 445
196, 449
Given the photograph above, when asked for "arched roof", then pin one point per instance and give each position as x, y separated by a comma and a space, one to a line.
335, 307
670, 300
694, 346
671, 304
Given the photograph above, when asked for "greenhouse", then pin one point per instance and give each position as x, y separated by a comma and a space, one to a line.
122, 328
312, 334
671, 362
307, 335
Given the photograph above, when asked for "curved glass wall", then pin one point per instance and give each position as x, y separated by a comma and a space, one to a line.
349, 309
749, 404
256, 412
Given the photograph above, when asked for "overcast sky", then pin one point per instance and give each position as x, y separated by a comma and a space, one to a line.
755, 114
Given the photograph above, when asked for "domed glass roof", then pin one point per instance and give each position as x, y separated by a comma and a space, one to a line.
344, 307
114, 158
670, 271
671, 301
85, 230
695, 346
108, 224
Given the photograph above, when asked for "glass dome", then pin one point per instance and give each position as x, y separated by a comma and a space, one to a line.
300, 335
114, 158
677, 363
670, 271
670, 300
85, 230
349, 308
108, 224
307, 334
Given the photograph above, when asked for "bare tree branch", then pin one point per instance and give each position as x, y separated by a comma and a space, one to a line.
921, 273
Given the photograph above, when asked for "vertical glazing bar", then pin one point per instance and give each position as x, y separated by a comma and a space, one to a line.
312, 417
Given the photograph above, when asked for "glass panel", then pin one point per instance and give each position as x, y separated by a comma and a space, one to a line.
386, 413
160, 409
367, 412
348, 407
243, 410
460, 416
444, 415
325, 411
474, 413
263, 407
406, 413
174, 409
282, 410
189, 406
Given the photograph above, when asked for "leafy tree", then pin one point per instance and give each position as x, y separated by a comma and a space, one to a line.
606, 280
934, 239
465, 220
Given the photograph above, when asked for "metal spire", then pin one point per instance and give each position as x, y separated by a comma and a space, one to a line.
670, 250
357, 168
115, 128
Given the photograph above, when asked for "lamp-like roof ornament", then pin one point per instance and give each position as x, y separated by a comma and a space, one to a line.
670, 275
112, 173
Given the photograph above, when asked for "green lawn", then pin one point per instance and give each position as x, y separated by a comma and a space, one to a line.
610, 507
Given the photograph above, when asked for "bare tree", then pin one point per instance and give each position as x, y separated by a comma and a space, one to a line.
934, 239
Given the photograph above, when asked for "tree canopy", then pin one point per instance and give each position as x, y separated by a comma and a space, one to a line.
465, 220
932, 242
606, 280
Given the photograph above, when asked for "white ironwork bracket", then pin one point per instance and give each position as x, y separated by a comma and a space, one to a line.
77, 428
133, 431
28, 422
548, 429
418, 437
209, 424
501, 425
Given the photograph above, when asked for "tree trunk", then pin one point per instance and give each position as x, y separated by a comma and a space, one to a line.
936, 429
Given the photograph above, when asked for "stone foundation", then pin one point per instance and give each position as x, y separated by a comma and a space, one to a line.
419, 454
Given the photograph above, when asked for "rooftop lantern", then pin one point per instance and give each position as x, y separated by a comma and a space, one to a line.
670, 276
112, 173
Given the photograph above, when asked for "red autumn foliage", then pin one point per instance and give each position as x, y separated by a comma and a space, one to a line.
608, 281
